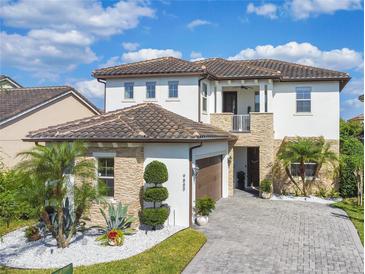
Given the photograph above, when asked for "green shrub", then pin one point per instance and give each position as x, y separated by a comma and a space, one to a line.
155, 194
155, 216
204, 206
322, 192
32, 233
155, 173
266, 185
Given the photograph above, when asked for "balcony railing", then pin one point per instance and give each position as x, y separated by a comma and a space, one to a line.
241, 122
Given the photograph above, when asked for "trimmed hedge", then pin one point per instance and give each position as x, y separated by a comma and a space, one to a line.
155, 194
155, 173
155, 216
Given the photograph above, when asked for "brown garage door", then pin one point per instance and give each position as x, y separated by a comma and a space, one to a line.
209, 179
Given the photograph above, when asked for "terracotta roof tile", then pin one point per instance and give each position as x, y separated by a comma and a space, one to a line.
14, 101
219, 68
143, 122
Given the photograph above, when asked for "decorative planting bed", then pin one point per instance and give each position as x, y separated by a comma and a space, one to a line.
311, 199
17, 252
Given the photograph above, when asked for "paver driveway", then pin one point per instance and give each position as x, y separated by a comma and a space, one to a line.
250, 235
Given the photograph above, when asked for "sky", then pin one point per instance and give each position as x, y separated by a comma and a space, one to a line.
58, 42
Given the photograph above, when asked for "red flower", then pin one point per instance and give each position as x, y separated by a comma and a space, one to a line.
112, 234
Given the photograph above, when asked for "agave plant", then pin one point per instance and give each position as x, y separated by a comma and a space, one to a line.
118, 218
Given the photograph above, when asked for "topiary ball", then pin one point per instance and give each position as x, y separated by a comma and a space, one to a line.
155, 216
155, 194
156, 173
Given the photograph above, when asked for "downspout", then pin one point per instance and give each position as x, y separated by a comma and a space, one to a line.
103, 82
191, 181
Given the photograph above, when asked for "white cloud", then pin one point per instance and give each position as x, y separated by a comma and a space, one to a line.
355, 87
130, 46
145, 54
267, 10
353, 102
112, 61
307, 54
87, 16
197, 23
302, 9
44, 59
90, 88
58, 36
196, 56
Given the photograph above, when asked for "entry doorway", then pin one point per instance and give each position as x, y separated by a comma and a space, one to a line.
253, 167
230, 102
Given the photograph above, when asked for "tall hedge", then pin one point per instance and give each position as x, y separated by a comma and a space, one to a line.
155, 174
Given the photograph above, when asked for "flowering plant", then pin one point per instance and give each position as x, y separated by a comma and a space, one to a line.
112, 237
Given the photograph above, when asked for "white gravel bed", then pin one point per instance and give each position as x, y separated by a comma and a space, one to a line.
16, 251
311, 199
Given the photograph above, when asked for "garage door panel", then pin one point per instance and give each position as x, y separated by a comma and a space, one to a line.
209, 179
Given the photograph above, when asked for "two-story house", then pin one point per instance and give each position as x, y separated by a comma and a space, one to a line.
257, 104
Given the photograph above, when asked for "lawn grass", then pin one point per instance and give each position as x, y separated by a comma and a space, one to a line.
355, 213
14, 225
169, 256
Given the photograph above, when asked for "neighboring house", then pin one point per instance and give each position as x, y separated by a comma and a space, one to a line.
257, 104
26, 109
261, 101
358, 118
361, 98
6, 82
123, 142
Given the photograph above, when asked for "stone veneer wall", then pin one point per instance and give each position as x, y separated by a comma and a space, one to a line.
128, 178
328, 178
261, 135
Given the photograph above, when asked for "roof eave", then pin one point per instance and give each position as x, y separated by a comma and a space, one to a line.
130, 140
104, 76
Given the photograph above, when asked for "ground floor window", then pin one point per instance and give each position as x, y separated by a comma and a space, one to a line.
106, 174
310, 169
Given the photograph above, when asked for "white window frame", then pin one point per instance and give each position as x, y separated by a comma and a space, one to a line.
128, 84
99, 156
147, 85
172, 84
204, 97
306, 88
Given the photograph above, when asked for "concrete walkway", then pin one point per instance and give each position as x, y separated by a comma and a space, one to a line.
247, 234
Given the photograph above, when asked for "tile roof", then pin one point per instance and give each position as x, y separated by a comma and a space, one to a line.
140, 123
219, 68
359, 117
15, 101
164, 65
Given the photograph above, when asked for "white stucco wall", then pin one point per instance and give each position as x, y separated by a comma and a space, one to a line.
186, 104
323, 119
176, 159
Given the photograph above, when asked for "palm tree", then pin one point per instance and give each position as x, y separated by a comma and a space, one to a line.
49, 169
303, 151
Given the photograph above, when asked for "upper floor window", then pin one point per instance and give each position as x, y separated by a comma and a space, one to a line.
106, 174
151, 90
173, 89
128, 91
257, 101
205, 97
303, 98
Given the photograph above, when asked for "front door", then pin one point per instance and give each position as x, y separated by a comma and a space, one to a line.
230, 102
253, 167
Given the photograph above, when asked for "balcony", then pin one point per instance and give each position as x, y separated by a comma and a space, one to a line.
241, 123
254, 123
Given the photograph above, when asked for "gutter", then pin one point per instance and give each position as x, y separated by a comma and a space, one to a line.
103, 82
191, 182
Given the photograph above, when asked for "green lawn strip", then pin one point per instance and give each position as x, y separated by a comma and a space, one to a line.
169, 256
355, 213
14, 225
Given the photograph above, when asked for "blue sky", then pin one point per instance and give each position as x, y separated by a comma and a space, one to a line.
61, 42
